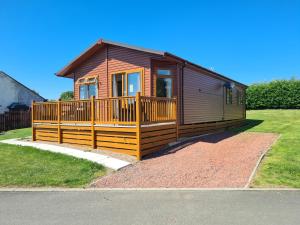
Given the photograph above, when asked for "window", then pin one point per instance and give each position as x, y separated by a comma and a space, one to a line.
239, 98
164, 72
164, 83
133, 83
117, 85
126, 83
83, 90
87, 88
228, 95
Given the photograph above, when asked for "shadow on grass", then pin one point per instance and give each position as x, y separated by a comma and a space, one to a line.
208, 138
247, 125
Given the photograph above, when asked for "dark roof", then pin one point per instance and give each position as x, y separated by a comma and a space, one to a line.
5, 74
99, 44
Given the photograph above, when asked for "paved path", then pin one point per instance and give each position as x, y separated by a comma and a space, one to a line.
150, 207
104, 160
219, 160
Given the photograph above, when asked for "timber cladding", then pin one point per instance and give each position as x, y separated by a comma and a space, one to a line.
154, 138
110, 60
205, 128
120, 140
204, 99
45, 133
116, 139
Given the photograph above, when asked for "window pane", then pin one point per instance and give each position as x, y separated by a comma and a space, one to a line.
164, 72
228, 96
134, 83
164, 87
92, 90
117, 85
83, 92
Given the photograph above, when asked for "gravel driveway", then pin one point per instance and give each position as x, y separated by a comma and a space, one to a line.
218, 160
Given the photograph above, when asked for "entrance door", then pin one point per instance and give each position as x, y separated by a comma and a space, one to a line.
164, 83
164, 88
125, 84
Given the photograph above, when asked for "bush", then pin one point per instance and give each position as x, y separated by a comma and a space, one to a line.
278, 94
67, 95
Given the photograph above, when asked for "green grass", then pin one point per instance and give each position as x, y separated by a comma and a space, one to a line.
281, 166
19, 133
29, 167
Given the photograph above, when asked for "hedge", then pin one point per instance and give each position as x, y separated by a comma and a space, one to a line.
278, 94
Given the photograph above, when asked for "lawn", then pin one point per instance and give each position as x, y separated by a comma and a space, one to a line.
281, 166
19, 133
30, 167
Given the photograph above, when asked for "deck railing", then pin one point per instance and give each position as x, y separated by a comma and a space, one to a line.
157, 110
113, 111
120, 110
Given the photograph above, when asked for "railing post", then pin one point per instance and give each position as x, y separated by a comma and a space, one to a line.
93, 144
138, 125
32, 123
58, 121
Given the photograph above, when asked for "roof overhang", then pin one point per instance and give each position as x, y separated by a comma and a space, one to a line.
68, 70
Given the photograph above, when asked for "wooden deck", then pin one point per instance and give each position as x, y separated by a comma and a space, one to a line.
130, 125
135, 126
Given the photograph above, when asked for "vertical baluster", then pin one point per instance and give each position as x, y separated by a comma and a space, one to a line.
109, 110
148, 115
152, 114
128, 109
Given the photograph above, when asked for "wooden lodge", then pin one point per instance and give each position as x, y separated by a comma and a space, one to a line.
136, 101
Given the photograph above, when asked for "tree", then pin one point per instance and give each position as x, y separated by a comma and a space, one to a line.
67, 95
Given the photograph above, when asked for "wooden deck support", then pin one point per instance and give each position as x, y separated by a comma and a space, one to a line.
93, 122
138, 126
58, 121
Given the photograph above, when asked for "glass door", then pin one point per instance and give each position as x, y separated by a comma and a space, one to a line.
125, 84
164, 83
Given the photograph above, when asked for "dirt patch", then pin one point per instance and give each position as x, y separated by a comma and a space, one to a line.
219, 160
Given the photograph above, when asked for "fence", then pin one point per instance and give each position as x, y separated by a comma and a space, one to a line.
15, 120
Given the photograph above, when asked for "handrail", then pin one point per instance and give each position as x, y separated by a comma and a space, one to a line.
112, 110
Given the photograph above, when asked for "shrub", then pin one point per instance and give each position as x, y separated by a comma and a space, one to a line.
67, 95
278, 94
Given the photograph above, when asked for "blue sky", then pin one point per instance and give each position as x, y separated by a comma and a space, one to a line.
249, 41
